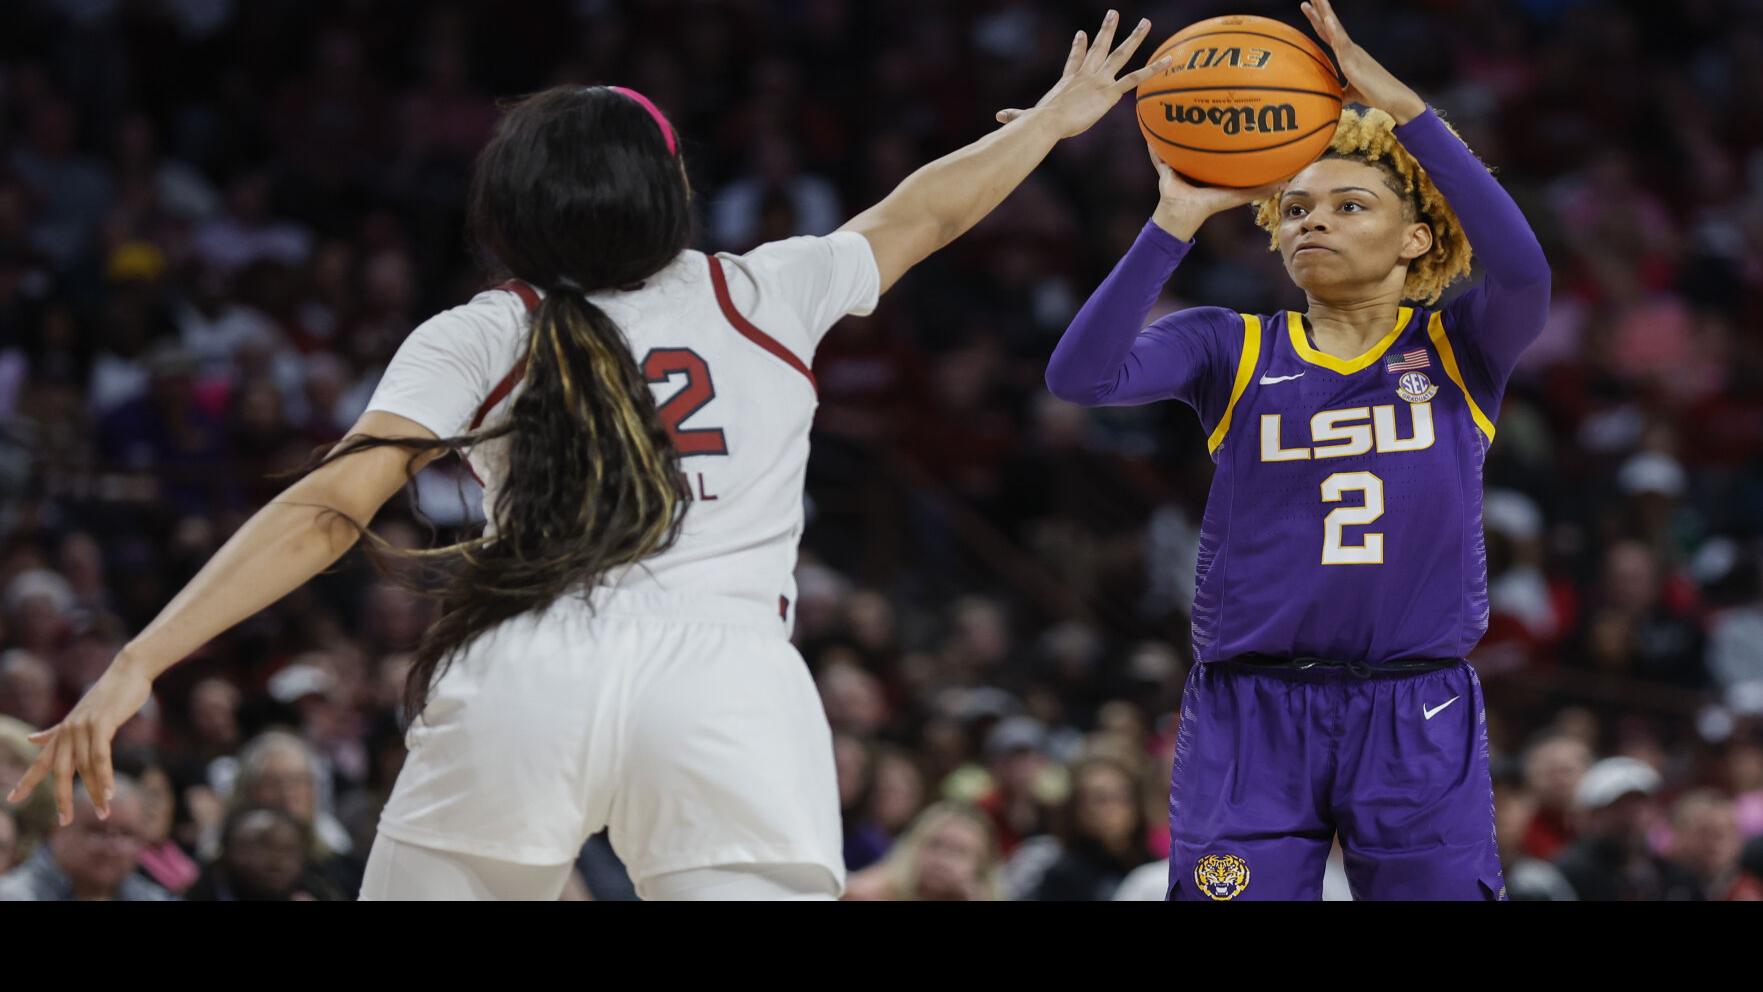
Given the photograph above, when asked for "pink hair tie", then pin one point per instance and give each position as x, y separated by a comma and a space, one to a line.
654, 111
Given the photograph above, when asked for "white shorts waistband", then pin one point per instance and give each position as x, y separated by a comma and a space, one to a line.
675, 608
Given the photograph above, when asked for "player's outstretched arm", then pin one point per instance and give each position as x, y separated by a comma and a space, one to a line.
942, 200
1491, 220
1506, 312
296, 536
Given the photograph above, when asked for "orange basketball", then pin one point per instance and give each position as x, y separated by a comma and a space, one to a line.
1248, 101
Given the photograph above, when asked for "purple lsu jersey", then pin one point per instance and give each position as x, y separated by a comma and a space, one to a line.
1344, 519
1344, 522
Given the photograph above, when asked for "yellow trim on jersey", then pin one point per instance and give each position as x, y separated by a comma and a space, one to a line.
1435, 329
1245, 371
1345, 366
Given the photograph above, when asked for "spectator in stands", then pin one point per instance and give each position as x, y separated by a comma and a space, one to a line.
947, 855
88, 859
1611, 861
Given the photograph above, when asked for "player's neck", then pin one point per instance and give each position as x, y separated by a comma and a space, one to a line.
1349, 329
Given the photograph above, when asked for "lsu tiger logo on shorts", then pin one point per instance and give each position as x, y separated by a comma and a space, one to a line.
1221, 876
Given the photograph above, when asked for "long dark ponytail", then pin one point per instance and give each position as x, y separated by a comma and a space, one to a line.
577, 192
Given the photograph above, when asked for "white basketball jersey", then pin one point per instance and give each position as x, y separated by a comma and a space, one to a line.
726, 343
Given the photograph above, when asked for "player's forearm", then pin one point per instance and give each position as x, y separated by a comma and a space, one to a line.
1090, 363
1496, 228
281, 547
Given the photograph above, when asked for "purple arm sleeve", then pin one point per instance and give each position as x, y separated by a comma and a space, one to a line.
1104, 359
1496, 320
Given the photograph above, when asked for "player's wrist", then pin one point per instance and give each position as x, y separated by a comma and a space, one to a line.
1406, 109
135, 661
1046, 122
1179, 220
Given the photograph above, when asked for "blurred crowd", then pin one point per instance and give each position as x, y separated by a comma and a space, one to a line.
219, 218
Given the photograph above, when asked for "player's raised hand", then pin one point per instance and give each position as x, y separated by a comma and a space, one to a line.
80, 743
1368, 82
1089, 86
1182, 207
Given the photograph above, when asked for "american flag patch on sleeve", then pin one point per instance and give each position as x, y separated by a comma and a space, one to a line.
1416, 359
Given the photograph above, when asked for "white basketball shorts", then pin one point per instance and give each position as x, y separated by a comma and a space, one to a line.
691, 728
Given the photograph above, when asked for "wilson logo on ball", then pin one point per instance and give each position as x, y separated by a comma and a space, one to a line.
1267, 119
1245, 101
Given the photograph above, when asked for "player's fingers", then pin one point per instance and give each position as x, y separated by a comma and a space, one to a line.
1314, 18
99, 775
1165, 174
63, 762
1120, 55
42, 736
1104, 38
1335, 27
1324, 29
34, 774
1075, 57
1006, 116
81, 741
1132, 80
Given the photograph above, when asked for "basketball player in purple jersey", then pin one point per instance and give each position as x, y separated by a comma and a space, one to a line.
1342, 576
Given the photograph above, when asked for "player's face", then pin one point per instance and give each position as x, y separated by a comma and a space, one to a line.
1344, 231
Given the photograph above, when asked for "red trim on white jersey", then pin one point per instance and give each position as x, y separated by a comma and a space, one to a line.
746, 327
509, 381
512, 379
527, 294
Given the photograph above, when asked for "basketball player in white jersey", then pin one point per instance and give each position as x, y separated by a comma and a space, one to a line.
614, 650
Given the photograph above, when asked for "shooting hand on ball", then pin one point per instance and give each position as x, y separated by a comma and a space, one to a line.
1368, 82
1182, 207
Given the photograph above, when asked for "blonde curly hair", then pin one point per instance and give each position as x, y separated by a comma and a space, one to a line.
1370, 137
